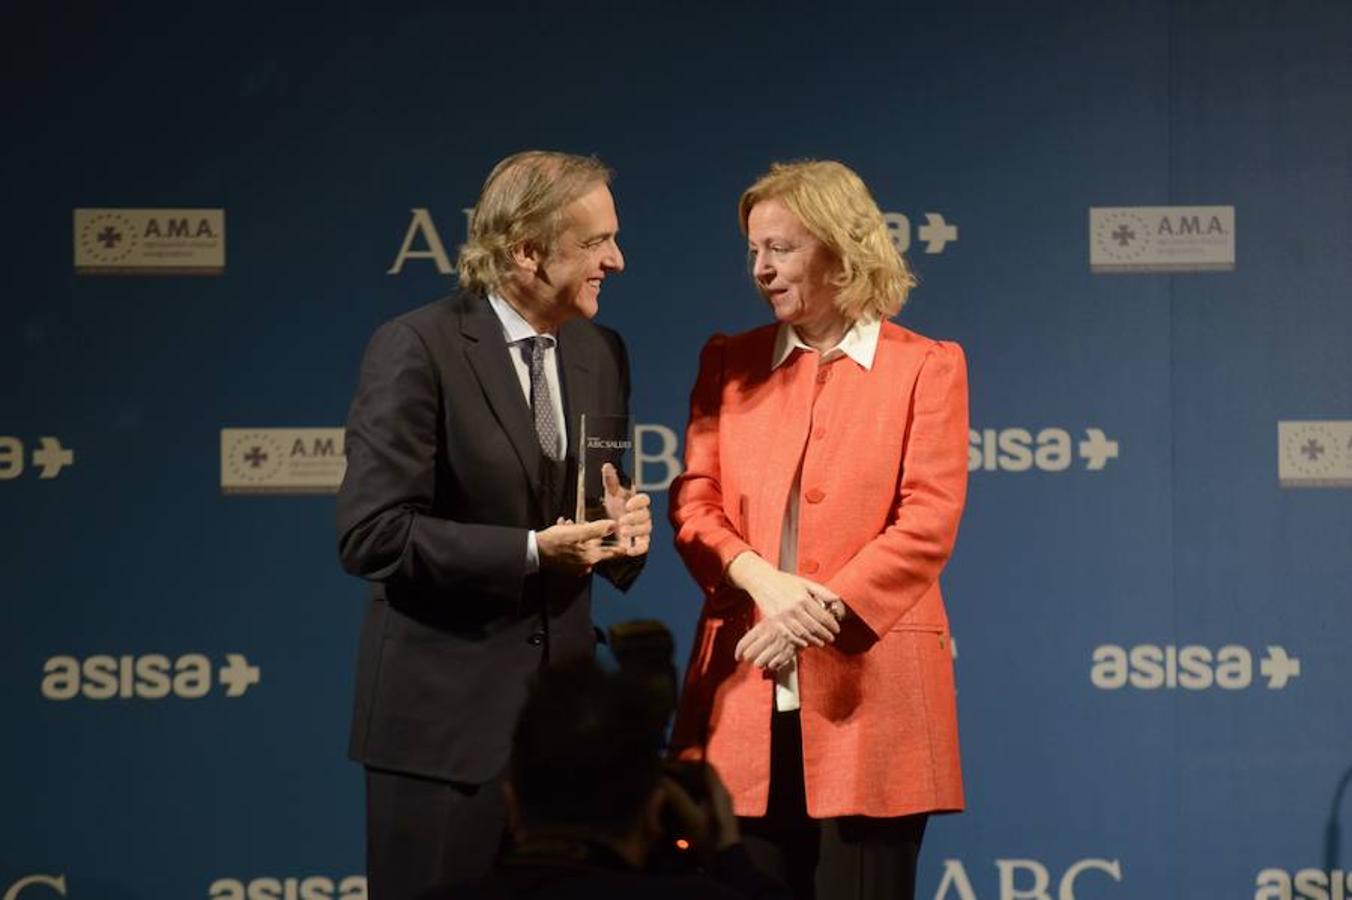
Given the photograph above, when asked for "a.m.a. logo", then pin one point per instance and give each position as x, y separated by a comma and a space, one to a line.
1314, 453
178, 227
282, 460
1162, 238
1183, 226
150, 241
104, 238
317, 446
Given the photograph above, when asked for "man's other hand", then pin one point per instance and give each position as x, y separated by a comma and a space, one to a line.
632, 513
575, 549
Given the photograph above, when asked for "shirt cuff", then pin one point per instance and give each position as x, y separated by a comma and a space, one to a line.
532, 553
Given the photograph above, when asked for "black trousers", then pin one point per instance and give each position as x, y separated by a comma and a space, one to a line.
422, 833
846, 858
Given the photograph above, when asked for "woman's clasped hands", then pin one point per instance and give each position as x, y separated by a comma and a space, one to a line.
796, 612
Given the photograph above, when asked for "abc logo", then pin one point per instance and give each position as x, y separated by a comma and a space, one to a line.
1029, 879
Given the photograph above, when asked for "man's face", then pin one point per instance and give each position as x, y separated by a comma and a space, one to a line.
583, 255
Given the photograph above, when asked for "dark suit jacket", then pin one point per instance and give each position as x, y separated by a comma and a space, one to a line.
444, 479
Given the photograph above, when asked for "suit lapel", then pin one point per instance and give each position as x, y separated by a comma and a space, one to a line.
487, 353
579, 397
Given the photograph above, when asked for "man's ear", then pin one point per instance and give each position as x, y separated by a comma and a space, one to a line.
528, 257
513, 808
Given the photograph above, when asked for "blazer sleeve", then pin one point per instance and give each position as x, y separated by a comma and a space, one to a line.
890, 573
706, 539
386, 529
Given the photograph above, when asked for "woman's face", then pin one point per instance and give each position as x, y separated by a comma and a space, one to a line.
792, 268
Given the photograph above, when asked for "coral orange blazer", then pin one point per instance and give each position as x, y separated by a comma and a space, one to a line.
884, 478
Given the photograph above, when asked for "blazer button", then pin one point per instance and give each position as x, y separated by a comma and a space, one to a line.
818, 433
811, 566
823, 376
815, 495
536, 638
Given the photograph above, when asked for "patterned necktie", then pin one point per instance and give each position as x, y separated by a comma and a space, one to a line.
546, 427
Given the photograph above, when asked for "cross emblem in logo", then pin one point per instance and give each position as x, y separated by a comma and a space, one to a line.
1312, 450
255, 457
109, 237
1123, 235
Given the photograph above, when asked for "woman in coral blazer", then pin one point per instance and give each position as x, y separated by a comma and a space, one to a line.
826, 470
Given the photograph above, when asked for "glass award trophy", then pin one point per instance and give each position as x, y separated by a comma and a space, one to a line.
605, 464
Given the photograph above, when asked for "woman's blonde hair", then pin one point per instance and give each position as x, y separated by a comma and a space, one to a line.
836, 206
522, 201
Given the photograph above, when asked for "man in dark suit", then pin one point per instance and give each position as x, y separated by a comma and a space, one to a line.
457, 506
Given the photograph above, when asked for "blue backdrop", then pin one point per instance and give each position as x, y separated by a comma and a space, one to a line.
1152, 587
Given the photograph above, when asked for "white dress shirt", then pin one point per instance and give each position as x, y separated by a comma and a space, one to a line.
860, 344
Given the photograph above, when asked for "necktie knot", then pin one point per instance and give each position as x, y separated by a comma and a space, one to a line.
538, 345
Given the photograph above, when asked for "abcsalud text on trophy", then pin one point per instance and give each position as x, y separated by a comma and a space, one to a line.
605, 461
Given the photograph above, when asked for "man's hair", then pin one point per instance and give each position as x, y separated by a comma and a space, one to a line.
522, 201
836, 206
586, 751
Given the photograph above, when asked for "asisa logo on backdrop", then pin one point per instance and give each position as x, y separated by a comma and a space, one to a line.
935, 234
311, 887
47, 459
1162, 238
1028, 879
1046, 450
1305, 884
423, 241
1192, 667
150, 241
1315, 453
146, 676
282, 460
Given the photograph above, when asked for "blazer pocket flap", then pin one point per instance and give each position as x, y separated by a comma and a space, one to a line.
931, 628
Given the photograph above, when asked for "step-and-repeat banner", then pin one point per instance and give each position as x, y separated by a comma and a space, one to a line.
1136, 219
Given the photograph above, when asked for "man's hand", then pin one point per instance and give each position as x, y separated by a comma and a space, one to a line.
575, 549
630, 511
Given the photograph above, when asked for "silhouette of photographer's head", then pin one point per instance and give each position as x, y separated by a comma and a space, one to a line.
586, 754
